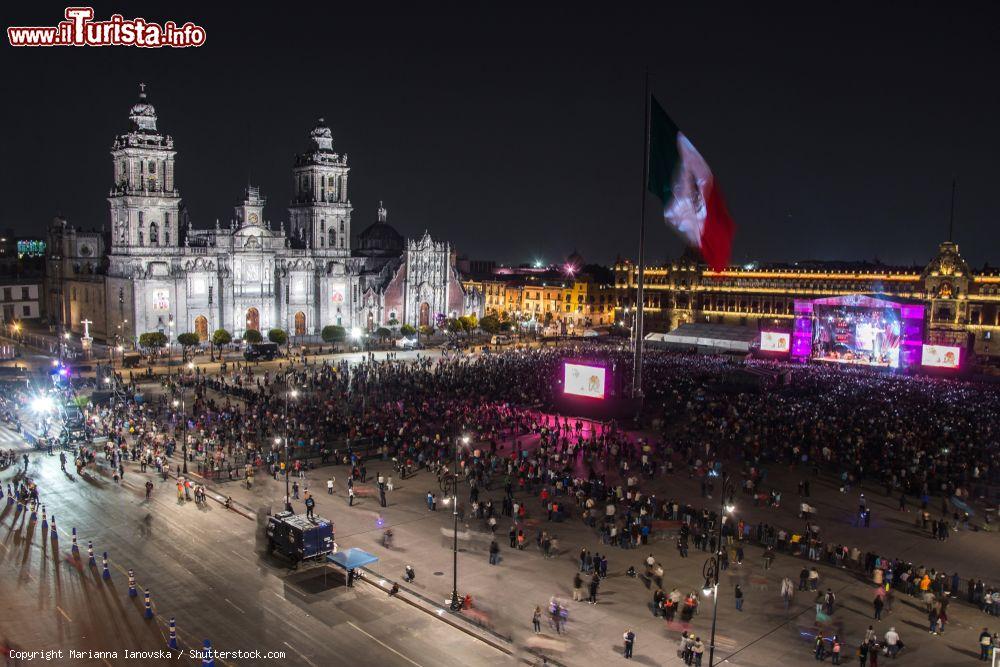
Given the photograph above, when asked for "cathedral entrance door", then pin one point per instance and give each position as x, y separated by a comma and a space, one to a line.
425, 314
201, 327
300, 323
371, 321
253, 319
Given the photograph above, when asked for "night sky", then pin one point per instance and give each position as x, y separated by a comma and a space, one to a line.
515, 132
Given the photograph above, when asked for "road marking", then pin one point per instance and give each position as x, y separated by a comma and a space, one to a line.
300, 653
234, 606
64, 614
241, 555
370, 636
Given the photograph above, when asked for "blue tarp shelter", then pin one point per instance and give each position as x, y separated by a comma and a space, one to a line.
352, 558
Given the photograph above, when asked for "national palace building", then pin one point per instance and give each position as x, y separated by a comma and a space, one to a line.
961, 305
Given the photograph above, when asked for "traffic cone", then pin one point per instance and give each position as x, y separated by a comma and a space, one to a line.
90, 551
76, 547
131, 584
172, 642
54, 535
45, 521
34, 512
107, 573
149, 605
207, 659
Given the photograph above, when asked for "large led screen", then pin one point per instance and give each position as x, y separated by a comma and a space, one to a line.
940, 356
775, 341
582, 380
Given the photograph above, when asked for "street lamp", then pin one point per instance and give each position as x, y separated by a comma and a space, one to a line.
456, 604
712, 566
184, 444
289, 394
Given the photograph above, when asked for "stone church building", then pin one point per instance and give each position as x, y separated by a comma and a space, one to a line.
152, 270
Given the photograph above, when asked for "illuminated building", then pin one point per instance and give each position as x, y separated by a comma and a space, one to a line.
958, 301
567, 296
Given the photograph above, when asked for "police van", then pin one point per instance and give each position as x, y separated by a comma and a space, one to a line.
299, 538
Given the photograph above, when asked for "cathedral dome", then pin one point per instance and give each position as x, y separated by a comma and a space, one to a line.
380, 237
142, 114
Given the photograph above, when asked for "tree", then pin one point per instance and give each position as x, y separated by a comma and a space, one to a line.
471, 321
490, 324
383, 333
220, 337
252, 336
333, 333
393, 322
455, 325
407, 330
153, 340
187, 341
279, 336
427, 330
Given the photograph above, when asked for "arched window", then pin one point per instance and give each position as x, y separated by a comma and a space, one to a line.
166, 236
300, 324
154, 234
333, 238
139, 234
201, 327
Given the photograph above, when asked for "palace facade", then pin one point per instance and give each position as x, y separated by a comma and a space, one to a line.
152, 270
960, 303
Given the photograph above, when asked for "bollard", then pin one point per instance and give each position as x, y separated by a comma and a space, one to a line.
107, 573
76, 547
90, 551
207, 659
149, 605
34, 512
131, 584
54, 536
172, 642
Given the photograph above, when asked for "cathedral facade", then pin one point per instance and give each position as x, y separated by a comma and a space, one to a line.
152, 270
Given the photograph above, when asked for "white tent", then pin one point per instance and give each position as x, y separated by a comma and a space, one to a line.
707, 337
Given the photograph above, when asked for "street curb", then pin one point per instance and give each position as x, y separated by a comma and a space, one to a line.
417, 601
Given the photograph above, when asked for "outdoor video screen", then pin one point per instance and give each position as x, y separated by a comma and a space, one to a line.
775, 341
857, 335
940, 356
583, 380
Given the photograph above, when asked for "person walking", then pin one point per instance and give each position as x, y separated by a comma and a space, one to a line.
494, 552
985, 644
310, 505
787, 591
629, 639
892, 642
577, 588
329, 486
863, 653
835, 650
350, 496
877, 603
536, 619
697, 650
738, 593
819, 648
595, 581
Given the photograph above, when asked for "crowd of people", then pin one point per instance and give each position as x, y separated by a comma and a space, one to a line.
928, 442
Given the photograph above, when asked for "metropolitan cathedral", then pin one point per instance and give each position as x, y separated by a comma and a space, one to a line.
152, 270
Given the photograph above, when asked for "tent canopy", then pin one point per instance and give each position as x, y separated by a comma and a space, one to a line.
352, 558
711, 336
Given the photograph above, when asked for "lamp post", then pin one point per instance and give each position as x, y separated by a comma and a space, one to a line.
289, 393
184, 444
712, 567
456, 604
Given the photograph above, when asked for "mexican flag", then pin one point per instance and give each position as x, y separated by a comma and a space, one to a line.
692, 200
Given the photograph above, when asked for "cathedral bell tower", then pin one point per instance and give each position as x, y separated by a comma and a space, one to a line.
320, 210
144, 201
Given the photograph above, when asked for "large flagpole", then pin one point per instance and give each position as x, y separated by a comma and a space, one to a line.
639, 298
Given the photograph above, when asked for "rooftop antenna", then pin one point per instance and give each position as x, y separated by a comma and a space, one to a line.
951, 219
